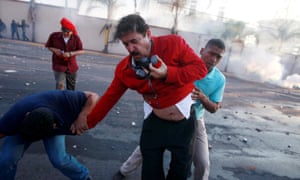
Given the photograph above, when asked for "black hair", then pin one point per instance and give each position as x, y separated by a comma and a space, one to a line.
37, 124
131, 23
63, 29
216, 42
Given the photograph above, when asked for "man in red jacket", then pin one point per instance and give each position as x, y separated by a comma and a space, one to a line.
65, 46
162, 69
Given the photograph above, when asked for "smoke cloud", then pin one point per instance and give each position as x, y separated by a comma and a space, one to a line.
258, 65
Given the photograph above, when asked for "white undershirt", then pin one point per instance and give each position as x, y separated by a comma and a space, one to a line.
184, 107
66, 39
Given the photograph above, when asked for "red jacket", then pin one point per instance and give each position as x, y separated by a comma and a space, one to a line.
184, 67
60, 64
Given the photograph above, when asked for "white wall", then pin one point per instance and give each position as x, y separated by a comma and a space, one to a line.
48, 18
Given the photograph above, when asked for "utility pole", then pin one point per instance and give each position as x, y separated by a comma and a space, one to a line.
228, 59
296, 54
32, 14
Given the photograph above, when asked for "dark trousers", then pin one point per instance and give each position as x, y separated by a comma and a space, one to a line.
71, 80
159, 135
65, 77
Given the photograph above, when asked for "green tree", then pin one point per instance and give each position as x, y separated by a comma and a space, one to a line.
108, 25
233, 33
177, 6
233, 30
281, 30
106, 29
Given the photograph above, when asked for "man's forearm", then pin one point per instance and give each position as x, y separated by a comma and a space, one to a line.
75, 53
91, 101
80, 124
210, 106
55, 50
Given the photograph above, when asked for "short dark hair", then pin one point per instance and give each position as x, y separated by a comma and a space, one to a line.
131, 23
63, 29
216, 42
37, 124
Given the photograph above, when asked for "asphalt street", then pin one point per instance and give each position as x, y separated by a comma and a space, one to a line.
254, 136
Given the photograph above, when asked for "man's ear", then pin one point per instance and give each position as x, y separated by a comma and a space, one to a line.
201, 51
148, 33
54, 125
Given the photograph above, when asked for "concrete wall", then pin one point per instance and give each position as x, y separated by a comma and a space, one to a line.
10, 10
48, 18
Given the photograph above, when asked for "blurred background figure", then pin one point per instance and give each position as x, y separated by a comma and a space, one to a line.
14, 29
23, 27
2, 28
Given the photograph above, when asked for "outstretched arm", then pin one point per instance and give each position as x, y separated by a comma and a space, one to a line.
80, 124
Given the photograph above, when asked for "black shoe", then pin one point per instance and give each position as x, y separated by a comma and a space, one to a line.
89, 178
118, 176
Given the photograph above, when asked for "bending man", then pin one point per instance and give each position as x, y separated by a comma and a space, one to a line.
45, 116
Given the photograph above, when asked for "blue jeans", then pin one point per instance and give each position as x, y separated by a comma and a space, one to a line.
13, 149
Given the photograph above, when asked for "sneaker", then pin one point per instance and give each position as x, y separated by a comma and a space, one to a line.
118, 176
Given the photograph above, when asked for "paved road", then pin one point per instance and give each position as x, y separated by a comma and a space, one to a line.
254, 136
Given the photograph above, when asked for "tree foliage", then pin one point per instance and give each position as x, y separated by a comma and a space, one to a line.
281, 30
233, 30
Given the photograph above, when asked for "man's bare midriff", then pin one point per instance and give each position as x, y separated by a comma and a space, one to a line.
171, 113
